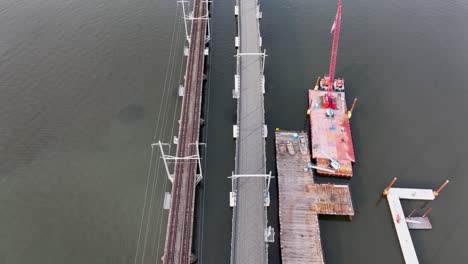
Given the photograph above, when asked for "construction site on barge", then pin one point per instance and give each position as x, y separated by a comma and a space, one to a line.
301, 200
330, 130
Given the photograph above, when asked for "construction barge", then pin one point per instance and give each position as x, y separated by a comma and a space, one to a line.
330, 130
301, 200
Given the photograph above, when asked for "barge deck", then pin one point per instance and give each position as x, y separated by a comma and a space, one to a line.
331, 136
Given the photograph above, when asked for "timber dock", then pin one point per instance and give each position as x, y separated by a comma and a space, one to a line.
301, 200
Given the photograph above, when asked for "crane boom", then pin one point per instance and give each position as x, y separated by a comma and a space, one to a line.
334, 52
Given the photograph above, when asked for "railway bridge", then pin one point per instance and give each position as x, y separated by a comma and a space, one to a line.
187, 171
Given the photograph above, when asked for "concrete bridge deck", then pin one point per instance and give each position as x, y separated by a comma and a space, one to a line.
249, 212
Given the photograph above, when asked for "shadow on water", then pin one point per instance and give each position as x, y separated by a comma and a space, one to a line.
339, 218
131, 113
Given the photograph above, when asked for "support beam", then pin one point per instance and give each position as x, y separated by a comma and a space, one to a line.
234, 177
173, 159
170, 175
199, 176
187, 35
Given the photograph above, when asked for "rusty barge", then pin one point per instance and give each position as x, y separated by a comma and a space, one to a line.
330, 130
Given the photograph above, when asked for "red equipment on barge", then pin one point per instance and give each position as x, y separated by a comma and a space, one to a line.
332, 144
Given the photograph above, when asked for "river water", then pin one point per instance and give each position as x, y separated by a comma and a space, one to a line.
88, 85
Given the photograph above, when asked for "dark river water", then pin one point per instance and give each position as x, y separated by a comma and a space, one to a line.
86, 86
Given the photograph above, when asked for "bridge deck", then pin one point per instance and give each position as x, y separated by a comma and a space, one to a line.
301, 201
249, 216
180, 224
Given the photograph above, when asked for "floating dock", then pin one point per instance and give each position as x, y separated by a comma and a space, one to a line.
331, 137
301, 200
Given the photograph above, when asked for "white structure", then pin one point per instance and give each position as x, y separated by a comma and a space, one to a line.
266, 193
173, 159
190, 17
399, 220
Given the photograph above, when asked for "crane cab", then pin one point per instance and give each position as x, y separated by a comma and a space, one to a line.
328, 101
338, 85
324, 83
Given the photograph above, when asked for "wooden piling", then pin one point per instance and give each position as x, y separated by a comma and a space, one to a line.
317, 83
385, 192
427, 212
350, 112
436, 192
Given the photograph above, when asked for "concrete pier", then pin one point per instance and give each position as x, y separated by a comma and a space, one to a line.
399, 220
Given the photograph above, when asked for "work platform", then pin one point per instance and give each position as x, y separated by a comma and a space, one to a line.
301, 201
331, 137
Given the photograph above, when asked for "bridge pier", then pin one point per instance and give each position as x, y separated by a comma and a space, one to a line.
193, 259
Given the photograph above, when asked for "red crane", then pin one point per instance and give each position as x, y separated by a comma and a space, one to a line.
334, 52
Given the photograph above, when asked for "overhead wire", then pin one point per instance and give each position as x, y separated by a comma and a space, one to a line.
168, 83
163, 104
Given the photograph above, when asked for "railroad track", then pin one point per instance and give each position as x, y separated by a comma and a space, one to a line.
180, 224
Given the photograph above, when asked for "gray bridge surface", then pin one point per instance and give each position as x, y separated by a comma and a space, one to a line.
249, 213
